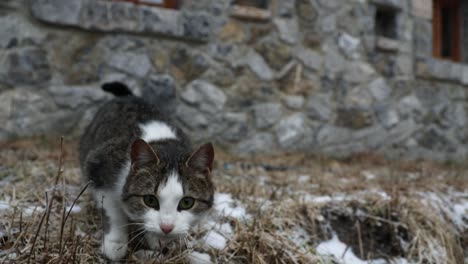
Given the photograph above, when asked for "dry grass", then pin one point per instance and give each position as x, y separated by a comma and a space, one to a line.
295, 202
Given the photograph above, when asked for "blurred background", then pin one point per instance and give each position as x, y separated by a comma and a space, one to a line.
318, 76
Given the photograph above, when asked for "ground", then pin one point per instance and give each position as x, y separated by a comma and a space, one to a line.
275, 209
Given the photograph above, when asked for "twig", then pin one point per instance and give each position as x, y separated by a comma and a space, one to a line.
361, 249
68, 214
57, 177
37, 234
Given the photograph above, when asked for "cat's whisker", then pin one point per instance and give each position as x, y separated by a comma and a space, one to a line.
135, 236
130, 224
141, 240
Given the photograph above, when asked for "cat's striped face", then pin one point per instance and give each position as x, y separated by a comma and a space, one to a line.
168, 199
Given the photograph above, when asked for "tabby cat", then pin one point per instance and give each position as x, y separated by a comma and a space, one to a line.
145, 176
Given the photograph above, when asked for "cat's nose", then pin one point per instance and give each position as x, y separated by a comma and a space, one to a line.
166, 228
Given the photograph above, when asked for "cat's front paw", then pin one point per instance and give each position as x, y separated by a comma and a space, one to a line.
114, 249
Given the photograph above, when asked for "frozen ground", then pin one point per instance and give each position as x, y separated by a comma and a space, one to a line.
289, 209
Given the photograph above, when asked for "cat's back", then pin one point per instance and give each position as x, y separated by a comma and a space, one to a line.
105, 142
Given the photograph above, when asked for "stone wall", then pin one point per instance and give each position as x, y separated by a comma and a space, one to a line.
321, 76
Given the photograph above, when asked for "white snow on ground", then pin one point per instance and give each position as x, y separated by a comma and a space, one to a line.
228, 207
31, 209
341, 252
76, 209
199, 258
368, 175
4, 205
454, 206
215, 240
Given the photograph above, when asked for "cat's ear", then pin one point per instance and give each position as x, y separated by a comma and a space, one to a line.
142, 153
202, 158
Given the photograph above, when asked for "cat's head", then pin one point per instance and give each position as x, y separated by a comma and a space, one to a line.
168, 188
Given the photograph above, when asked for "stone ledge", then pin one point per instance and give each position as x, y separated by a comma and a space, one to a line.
110, 16
431, 68
387, 44
250, 13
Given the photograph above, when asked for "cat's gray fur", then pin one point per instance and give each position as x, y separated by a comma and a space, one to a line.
122, 167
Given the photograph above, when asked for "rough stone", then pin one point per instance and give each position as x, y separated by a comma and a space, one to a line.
464, 75
358, 72
291, 130
311, 39
17, 30
310, 58
28, 66
126, 16
161, 91
422, 37
328, 24
276, 54
131, 63
258, 143
294, 102
288, 29
196, 26
329, 4
286, 8
258, 65
358, 97
353, 118
191, 117
267, 114
231, 32
410, 105
158, 20
307, 13
188, 66
434, 139
31, 113
96, 15
334, 62
207, 97
237, 128
349, 45
387, 44
387, 116
318, 107
75, 97
422, 8
404, 64
379, 89
57, 11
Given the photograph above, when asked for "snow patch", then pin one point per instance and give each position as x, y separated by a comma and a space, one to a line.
4, 205
344, 254
31, 209
226, 205
76, 209
341, 252
215, 240
196, 257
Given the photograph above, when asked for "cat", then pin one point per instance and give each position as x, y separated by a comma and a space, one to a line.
145, 176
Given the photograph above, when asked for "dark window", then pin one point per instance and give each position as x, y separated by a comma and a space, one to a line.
386, 23
173, 4
446, 29
253, 3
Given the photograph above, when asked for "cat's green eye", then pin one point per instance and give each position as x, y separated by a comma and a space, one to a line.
151, 201
186, 203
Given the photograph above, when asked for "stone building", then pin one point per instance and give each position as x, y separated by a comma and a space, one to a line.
333, 77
